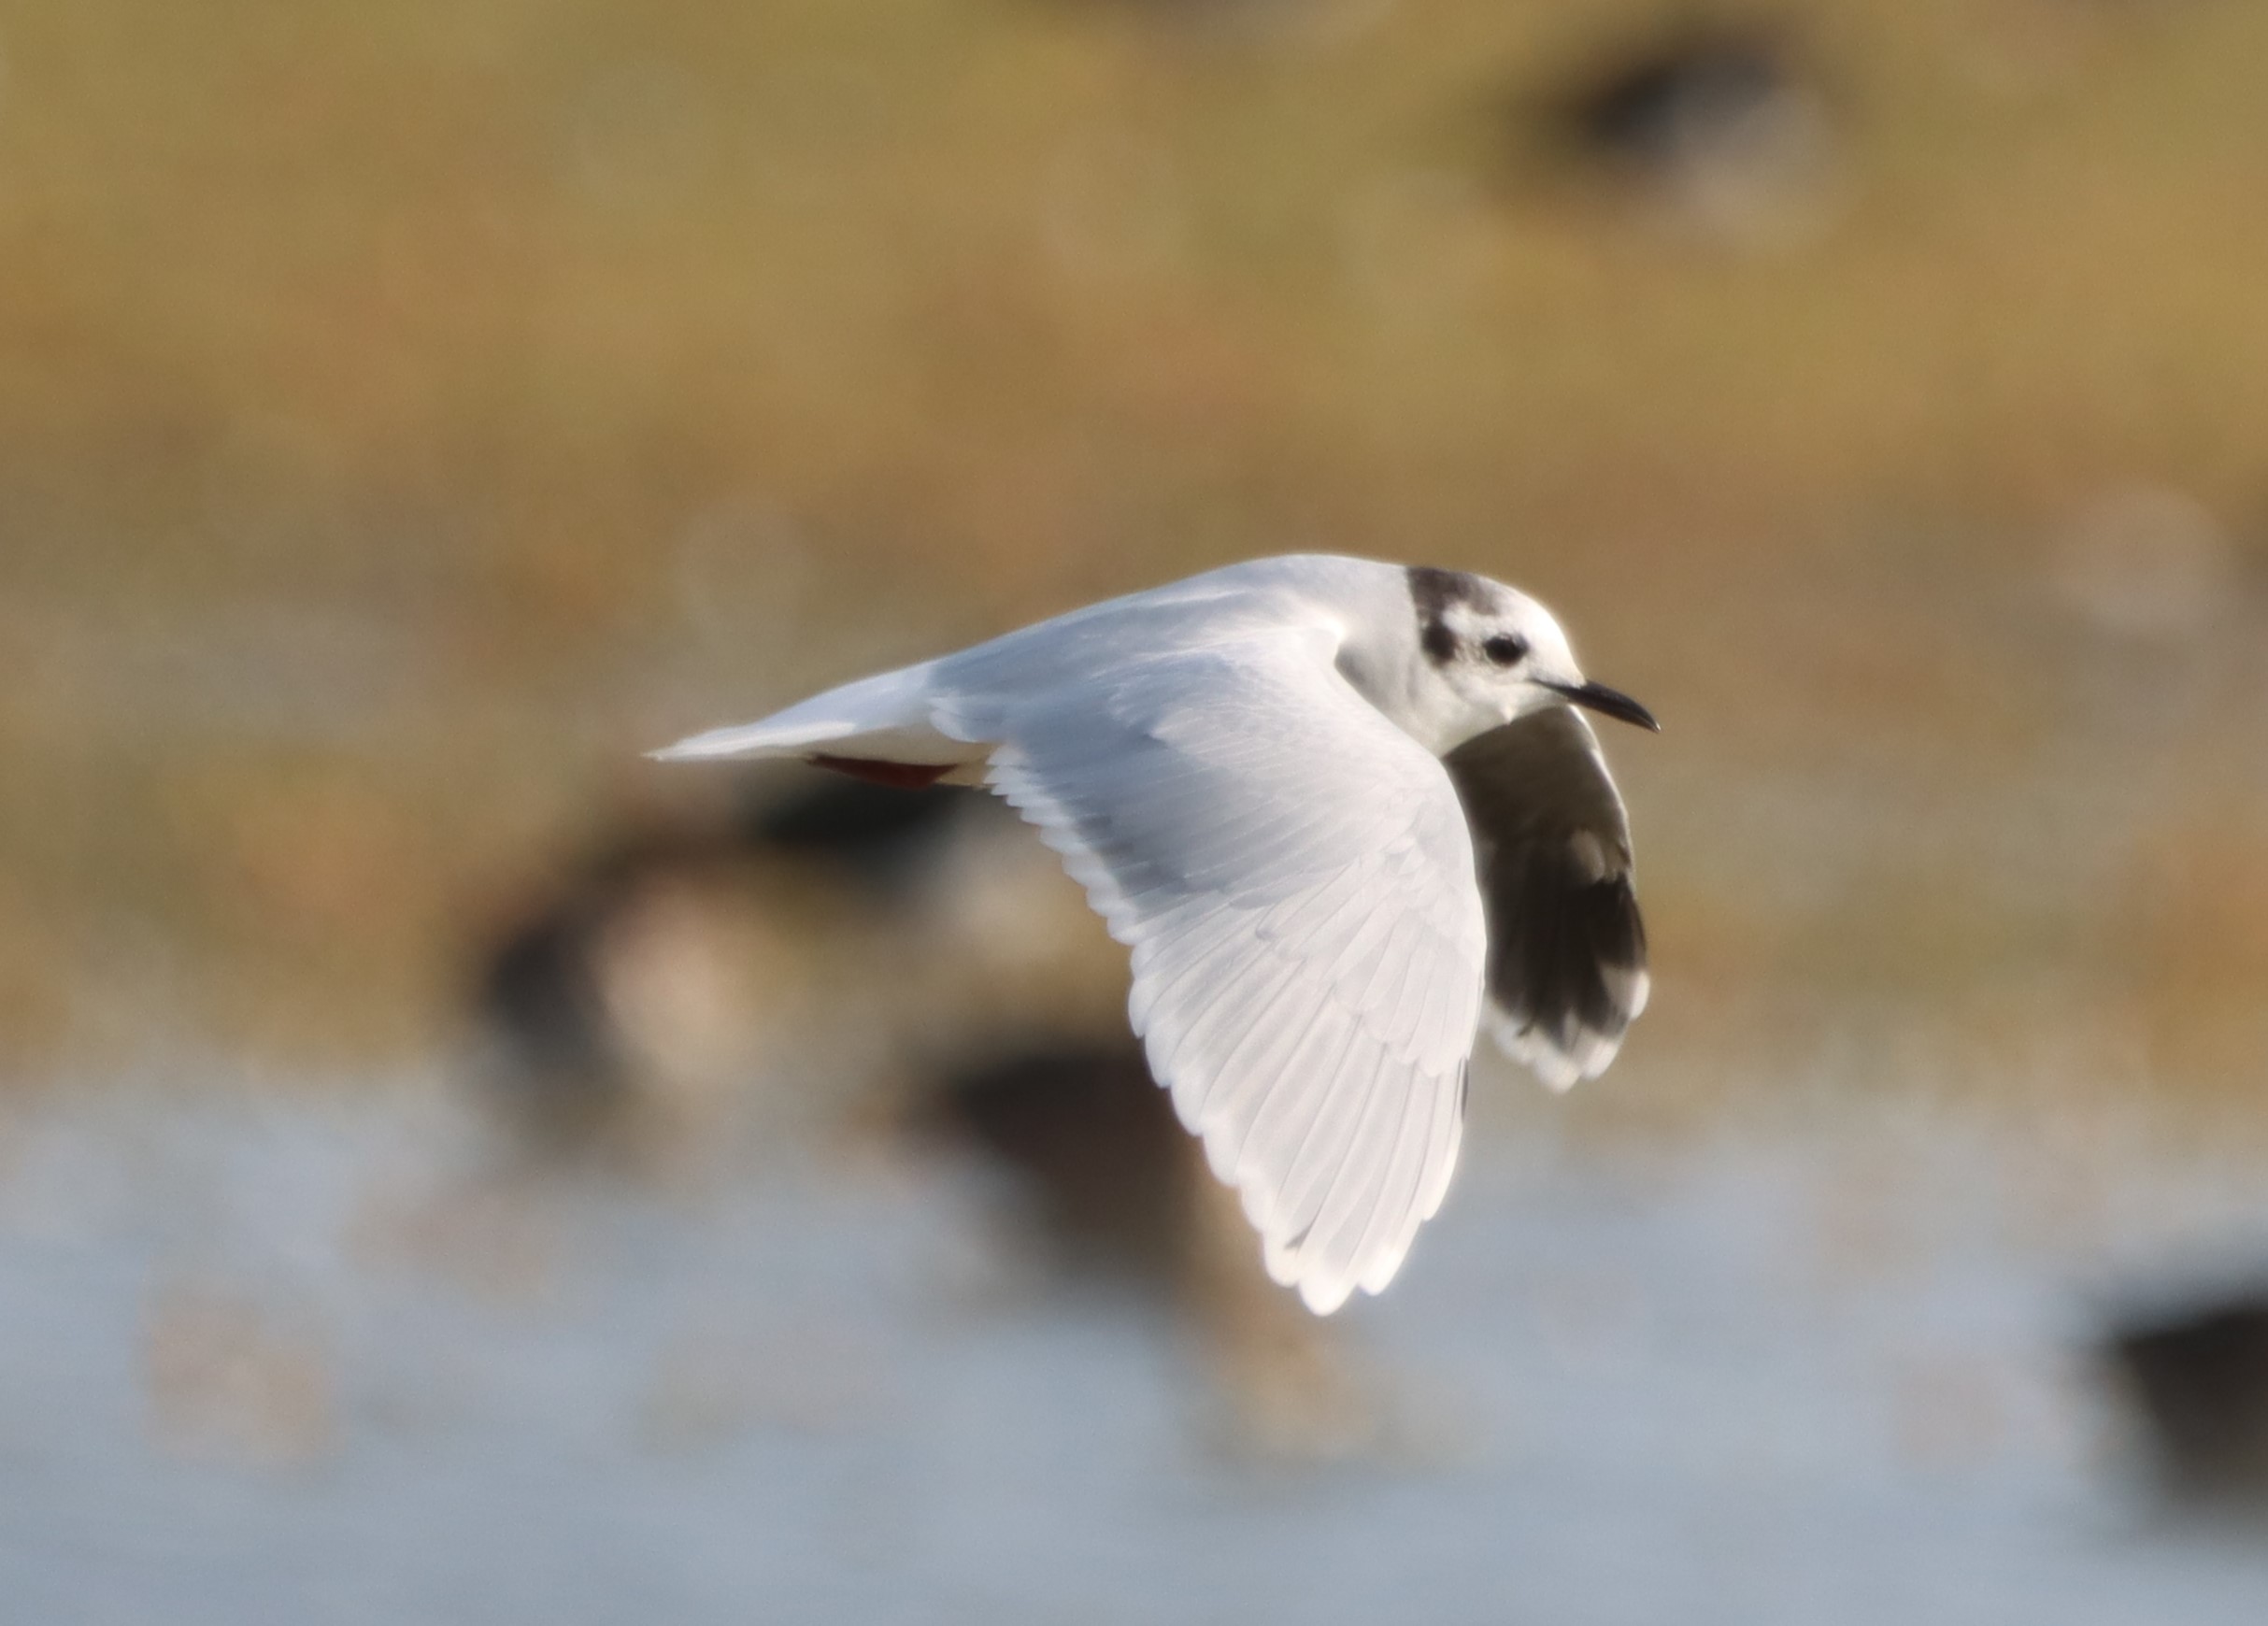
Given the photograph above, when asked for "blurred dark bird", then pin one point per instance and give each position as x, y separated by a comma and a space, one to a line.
2198, 1374
622, 996
1092, 1148
1724, 122
558, 1059
1100, 1177
875, 837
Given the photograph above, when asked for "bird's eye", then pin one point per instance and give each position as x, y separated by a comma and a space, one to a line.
1505, 649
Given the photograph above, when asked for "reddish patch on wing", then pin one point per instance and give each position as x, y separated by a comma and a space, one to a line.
898, 776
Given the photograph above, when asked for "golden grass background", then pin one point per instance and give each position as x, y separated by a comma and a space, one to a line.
409, 411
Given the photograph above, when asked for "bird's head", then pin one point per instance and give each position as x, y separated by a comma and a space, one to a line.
1501, 654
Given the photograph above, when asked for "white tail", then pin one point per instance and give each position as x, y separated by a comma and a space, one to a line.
880, 719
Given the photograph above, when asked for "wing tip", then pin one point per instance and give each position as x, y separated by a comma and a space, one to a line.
1558, 1066
1323, 1292
1574, 1050
1327, 1292
1324, 1295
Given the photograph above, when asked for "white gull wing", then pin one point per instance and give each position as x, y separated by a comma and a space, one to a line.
888, 718
1566, 945
1294, 877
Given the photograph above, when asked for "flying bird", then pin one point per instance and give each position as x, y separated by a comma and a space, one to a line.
1333, 806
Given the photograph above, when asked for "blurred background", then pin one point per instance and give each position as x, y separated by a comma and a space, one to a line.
453, 1170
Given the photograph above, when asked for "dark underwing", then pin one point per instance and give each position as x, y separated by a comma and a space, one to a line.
1552, 844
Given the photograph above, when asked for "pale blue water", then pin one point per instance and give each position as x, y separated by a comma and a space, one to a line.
1801, 1375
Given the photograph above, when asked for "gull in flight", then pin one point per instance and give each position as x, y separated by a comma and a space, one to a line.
1334, 807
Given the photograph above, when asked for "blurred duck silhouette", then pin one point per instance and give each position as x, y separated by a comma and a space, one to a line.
1724, 125
1101, 1176
627, 1006
2197, 1373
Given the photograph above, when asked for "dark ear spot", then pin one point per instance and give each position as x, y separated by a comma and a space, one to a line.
1432, 592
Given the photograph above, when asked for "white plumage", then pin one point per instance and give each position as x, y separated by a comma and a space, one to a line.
1245, 770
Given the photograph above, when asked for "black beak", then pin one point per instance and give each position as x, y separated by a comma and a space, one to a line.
1607, 702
